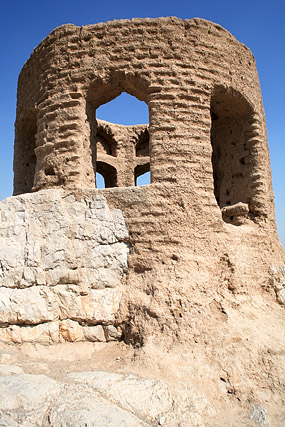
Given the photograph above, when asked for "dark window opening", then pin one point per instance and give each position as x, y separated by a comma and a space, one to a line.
108, 172
142, 146
24, 155
142, 174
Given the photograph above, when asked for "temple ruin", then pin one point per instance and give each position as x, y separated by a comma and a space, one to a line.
202, 229
163, 303
207, 127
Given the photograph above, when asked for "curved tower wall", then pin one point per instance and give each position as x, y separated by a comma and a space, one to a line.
200, 84
204, 229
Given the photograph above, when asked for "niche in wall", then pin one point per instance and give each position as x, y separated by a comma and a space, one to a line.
232, 155
105, 144
142, 146
24, 154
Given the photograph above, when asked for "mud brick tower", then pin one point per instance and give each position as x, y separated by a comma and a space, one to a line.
201, 235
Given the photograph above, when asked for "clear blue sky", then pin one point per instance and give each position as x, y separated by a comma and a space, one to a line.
257, 23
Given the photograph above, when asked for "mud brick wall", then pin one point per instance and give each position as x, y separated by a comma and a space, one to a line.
202, 90
204, 228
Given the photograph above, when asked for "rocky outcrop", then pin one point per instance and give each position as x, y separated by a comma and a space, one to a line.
189, 269
97, 398
61, 263
110, 384
207, 339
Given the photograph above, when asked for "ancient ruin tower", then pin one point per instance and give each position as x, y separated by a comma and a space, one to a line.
207, 131
205, 225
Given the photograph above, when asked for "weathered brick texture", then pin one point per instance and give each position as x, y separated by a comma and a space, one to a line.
206, 221
182, 70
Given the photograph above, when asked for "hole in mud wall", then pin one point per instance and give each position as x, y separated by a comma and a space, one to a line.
24, 156
108, 173
49, 171
100, 181
118, 114
232, 158
143, 179
117, 147
142, 175
125, 109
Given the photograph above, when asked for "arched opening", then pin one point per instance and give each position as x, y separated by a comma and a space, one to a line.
125, 110
119, 131
142, 174
24, 154
108, 173
143, 179
232, 156
100, 181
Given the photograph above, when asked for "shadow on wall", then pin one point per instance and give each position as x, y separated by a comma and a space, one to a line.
234, 156
25, 144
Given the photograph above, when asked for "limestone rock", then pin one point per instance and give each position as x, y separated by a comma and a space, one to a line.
33, 305
7, 420
26, 398
112, 333
98, 398
50, 238
42, 333
98, 306
60, 260
10, 369
95, 333
149, 399
26, 391
71, 331
81, 406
